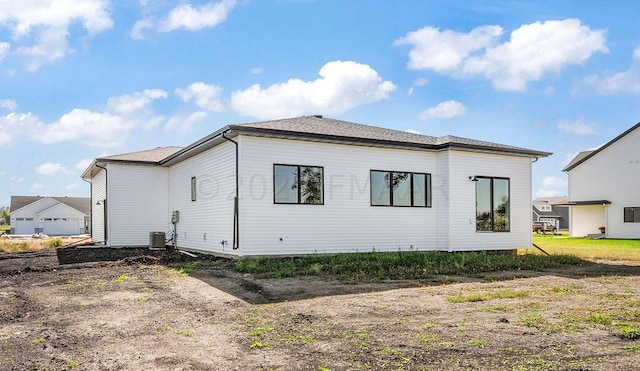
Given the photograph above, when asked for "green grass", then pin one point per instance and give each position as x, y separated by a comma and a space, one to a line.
588, 248
378, 266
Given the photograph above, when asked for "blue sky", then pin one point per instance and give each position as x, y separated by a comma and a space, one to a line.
87, 78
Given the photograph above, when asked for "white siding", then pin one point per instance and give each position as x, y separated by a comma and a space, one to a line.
98, 194
442, 200
346, 222
589, 217
137, 203
463, 201
612, 174
19, 218
206, 222
61, 220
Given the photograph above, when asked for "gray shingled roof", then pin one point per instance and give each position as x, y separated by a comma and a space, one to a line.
152, 155
585, 155
318, 126
82, 204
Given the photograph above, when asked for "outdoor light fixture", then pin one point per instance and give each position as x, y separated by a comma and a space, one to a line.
473, 178
99, 202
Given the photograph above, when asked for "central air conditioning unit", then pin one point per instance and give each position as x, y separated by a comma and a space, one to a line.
156, 240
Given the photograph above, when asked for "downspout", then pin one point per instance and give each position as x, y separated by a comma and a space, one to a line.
236, 208
104, 202
90, 205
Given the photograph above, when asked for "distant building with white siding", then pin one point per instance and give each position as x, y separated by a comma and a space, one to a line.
316, 185
603, 188
54, 216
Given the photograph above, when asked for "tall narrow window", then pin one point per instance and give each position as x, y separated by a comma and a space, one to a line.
391, 188
296, 184
632, 214
193, 188
493, 211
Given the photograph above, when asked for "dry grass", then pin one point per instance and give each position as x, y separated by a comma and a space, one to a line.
34, 244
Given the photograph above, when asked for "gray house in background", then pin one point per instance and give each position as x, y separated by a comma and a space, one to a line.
55, 216
551, 209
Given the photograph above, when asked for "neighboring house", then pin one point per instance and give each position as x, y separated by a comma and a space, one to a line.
54, 216
316, 185
603, 188
552, 210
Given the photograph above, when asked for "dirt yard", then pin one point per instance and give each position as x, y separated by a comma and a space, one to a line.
82, 309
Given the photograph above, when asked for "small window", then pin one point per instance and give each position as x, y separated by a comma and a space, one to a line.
390, 188
632, 214
19, 219
298, 184
492, 205
29, 219
193, 188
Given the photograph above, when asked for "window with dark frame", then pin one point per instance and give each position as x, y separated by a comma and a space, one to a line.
193, 188
298, 184
632, 214
493, 207
394, 188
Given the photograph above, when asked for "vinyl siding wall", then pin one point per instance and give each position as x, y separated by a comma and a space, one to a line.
206, 222
137, 203
463, 201
613, 175
346, 222
98, 193
29, 211
442, 200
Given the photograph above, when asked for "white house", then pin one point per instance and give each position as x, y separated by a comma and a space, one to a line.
316, 185
603, 188
55, 216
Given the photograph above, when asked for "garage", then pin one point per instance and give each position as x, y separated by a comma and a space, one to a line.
61, 226
24, 226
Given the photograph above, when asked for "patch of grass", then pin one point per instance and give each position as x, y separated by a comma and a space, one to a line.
260, 331
260, 344
478, 343
53, 243
632, 348
72, 364
532, 319
143, 300
629, 332
124, 278
489, 295
37, 341
590, 249
190, 267
297, 339
185, 333
379, 266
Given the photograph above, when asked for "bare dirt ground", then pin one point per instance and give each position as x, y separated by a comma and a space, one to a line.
81, 309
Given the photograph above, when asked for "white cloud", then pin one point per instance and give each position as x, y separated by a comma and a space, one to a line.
9, 104
342, 85
444, 110
184, 123
186, 16
98, 129
621, 82
134, 102
256, 70
51, 168
13, 125
84, 163
4, 50
35, 187
206, 96
532, 51
445, 51
579, 127
552, 187
17, 179
48, 22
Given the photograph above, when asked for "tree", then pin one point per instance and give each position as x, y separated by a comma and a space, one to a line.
4, 215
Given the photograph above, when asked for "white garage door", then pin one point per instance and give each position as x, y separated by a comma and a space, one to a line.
61, 226
25, 226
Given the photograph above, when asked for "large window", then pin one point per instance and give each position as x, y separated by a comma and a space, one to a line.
298, 184
391, 188
632, 214
492, 204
